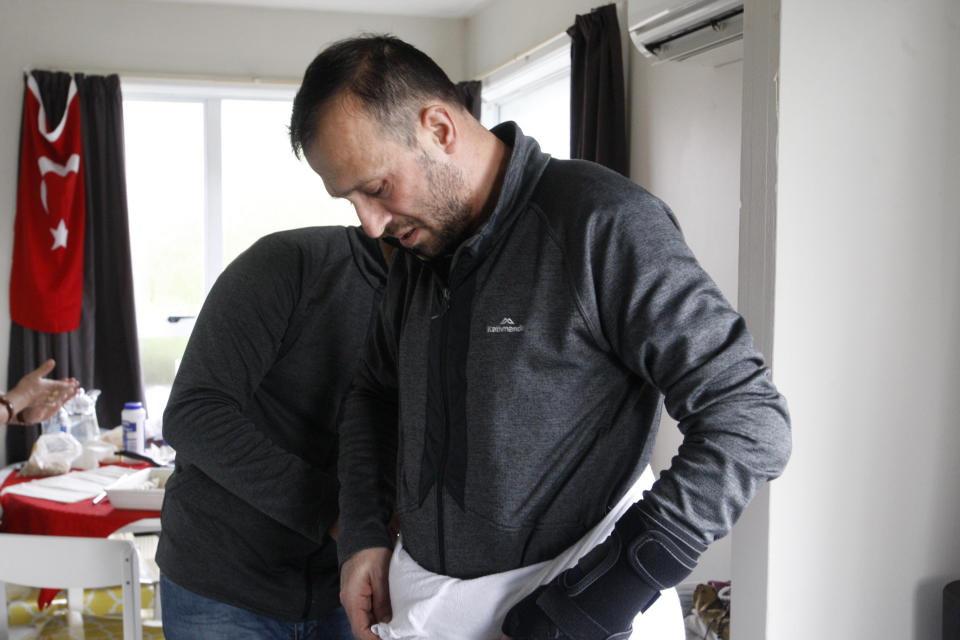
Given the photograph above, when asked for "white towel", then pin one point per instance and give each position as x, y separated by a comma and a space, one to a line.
429, 606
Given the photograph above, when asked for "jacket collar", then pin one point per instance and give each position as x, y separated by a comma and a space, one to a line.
524, 168
369, 257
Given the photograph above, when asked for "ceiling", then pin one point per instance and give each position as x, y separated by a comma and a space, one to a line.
424, 8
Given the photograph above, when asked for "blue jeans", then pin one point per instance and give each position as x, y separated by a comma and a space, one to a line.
188, 616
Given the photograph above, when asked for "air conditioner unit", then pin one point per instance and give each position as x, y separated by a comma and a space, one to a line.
679, 30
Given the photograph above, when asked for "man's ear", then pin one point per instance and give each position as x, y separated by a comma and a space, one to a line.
439, 124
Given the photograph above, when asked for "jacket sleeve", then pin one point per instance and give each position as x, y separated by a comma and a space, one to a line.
368, 431
233, 345
663, 316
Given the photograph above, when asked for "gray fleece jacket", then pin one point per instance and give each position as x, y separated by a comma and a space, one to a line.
523, 381
253, 415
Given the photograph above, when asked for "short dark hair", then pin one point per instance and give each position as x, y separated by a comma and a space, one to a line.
389, 77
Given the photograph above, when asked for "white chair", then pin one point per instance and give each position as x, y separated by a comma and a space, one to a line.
74, 564
141, 532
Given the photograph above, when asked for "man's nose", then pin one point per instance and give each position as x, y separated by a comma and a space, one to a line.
373, 218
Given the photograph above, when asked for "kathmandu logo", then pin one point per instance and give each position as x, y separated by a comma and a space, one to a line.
507, 325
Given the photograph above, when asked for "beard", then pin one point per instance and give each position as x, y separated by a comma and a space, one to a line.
448, 209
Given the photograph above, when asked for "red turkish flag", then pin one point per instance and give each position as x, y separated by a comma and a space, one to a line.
46, 282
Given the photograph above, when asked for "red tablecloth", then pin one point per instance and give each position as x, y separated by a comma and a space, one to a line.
46, 517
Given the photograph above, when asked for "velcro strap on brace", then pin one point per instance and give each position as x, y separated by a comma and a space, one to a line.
661, 556
574, 621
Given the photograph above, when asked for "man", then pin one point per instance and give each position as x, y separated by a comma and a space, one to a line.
539, 314
252, 415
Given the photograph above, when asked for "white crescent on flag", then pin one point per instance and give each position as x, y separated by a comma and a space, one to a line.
49, 166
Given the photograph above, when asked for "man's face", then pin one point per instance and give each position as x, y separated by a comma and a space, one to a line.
412, 193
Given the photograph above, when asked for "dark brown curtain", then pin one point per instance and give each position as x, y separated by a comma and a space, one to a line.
469, 92
102, 353
598, 117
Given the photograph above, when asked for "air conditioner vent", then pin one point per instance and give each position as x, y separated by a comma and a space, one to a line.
687, 30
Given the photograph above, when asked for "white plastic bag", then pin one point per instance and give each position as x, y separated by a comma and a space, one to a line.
53, 454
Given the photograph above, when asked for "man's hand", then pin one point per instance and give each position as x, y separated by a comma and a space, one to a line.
364, 590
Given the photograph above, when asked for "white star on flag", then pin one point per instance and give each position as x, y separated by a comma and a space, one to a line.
59, 236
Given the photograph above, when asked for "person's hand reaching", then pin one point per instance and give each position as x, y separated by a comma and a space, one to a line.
36, 398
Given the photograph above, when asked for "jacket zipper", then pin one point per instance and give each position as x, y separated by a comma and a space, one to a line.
444, 392
308, 584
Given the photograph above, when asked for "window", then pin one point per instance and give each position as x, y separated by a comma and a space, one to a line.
209, 170
534, 92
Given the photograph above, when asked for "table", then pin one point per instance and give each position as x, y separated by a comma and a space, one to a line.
46, 517
36, 516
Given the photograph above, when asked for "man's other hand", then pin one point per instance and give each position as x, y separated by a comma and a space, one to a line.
364, 590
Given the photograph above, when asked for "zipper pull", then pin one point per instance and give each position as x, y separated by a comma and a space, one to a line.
444, 302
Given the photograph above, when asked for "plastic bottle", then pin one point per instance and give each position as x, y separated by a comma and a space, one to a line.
134, 419
63, 419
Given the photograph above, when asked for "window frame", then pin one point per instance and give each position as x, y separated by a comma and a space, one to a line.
525, 74
211, 95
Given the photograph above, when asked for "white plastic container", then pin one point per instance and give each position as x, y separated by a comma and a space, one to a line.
142, 489
134, 419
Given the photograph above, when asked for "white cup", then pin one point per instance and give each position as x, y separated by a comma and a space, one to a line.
86, 460
94, 452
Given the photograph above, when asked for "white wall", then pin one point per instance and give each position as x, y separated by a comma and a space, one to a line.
685, 148
865, 524
177, 39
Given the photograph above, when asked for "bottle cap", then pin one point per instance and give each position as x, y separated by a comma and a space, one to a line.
133, 405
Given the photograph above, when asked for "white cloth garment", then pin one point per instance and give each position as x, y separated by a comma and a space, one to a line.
429, 606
